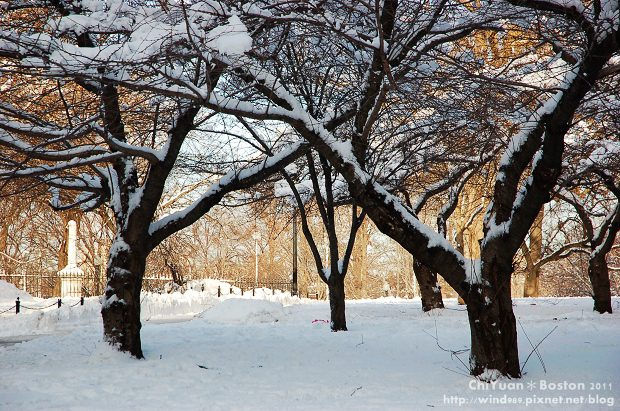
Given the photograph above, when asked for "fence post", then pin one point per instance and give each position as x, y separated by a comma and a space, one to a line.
59, 302
82, 300
17, 306
253, 291
231, 291
219, 291
203, 287
242, 291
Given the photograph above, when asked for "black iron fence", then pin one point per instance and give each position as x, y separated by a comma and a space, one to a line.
19, 307
90, 284
87, 285
247, 285
48, 285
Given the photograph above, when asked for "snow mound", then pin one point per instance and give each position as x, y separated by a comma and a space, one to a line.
9, 293
232, 38
104, 352
158, 306
209, 286
49, 320
244, 311
283, 297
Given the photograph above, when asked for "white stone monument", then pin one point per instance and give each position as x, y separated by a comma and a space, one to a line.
71, 276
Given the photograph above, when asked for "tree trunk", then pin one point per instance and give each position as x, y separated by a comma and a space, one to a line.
62, 252
460, 247
599, 277
121, 305
4, 237
174, 272
494, 349
359, 260
531, 288
430, 291
336, 302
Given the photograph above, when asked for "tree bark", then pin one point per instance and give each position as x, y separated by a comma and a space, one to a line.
336, 302
121, 306
430, 291
599, 277
174, 272
531, 288
359, 262
460, 247
532, 281
493, 328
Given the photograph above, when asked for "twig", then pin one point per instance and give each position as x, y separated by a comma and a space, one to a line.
540, 342
358, 344
356, 390
457, 372
532, 345
453, 353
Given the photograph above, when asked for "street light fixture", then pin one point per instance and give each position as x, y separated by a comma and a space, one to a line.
294, 290
256, 237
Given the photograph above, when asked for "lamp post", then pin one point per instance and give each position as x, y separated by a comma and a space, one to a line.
415, 282
256, 236
294, 290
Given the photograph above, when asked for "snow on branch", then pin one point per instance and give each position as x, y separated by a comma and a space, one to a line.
438, 187
507, 199
81, 182
36, 152
232, 181
604, 154
572, 9
340, 154
150, 154
44, 169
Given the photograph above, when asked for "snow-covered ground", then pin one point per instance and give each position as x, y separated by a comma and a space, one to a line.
270, 352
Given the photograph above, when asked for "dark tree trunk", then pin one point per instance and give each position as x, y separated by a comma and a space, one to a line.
599, 277
336, 302
174, 272
493, 328
430, 291
121, 306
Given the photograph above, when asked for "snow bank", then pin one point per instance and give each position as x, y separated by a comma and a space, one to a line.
41, 316
210, 286
283, 297
52, 319
9, 293
163, 306
244, 311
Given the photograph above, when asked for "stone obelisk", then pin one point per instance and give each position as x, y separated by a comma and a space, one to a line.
71, 276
